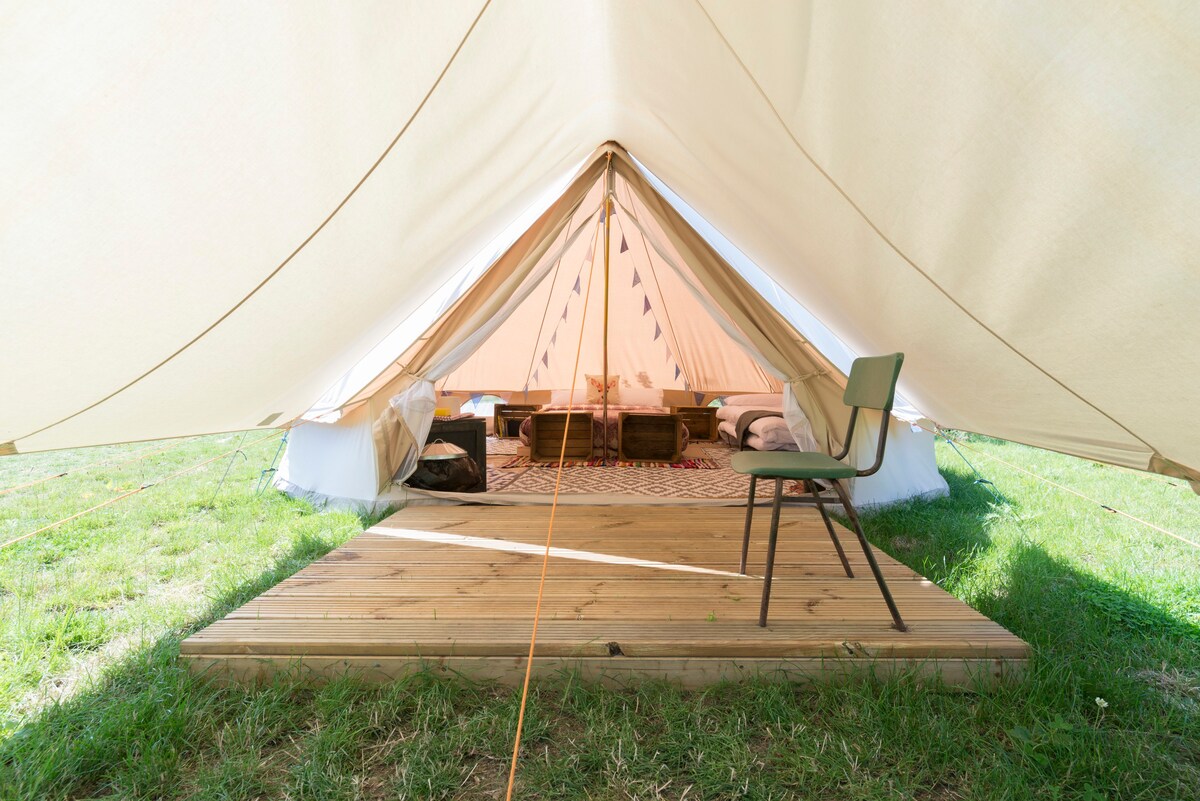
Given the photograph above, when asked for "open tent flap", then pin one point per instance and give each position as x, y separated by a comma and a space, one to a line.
682, 319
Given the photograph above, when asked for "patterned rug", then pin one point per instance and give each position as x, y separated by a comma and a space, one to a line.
684, 464
506, 446
719, 483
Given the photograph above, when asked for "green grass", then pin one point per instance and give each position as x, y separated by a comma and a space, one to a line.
96, 705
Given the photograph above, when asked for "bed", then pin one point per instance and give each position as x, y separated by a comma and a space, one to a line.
605, 433
602, 435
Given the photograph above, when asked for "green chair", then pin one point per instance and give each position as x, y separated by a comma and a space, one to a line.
872, 385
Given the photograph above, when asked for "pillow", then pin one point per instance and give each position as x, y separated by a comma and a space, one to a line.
562, 397
641, 396
595, 388
772, 400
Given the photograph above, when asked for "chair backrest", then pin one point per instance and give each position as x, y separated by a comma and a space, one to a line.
872, 383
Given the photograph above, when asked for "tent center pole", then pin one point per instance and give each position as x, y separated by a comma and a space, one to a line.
608, 207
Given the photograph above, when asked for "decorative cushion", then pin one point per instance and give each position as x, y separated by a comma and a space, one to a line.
633, 395
595, 388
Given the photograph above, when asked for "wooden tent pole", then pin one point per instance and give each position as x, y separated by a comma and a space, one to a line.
608, 206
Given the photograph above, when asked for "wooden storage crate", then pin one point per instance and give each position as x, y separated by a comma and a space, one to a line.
649, 437
701, 422
508, 418
546, 436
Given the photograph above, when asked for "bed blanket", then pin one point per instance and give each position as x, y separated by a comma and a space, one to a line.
743, 425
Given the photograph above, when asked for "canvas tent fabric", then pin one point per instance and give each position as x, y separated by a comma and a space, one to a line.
498, 335
211, 211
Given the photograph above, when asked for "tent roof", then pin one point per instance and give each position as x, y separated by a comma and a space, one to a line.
211, 211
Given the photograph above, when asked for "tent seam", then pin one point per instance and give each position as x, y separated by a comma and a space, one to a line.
895, 248
370, 171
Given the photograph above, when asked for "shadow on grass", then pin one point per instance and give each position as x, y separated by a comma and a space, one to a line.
149, 729
142, 720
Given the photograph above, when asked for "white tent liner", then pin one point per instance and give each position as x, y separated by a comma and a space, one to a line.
211, 212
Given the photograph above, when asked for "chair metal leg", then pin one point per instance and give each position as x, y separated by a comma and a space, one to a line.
866, 547
749, 517
766, 596
829, 527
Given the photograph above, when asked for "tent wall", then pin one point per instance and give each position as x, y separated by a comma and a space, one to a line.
484, 323
212, 210
332, 463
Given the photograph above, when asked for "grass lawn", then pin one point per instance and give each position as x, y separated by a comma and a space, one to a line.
95, 704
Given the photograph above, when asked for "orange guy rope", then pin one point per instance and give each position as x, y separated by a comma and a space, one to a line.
131, 492
537, 609
110, 463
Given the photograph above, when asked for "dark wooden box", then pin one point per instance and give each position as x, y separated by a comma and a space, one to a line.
649, 437
546, 436
701, 422
508, 418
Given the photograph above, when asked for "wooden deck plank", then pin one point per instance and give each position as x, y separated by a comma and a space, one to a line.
456, 585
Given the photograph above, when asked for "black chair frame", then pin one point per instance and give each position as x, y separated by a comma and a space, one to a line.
819, 502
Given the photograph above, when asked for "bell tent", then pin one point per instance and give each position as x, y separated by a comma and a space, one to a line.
670, 315
220, 217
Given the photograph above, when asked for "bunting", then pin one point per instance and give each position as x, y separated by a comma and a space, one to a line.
637, 279
577, 288
554, 338
624, 244
645, 305
657, 331
565, 312
546, 359
677, 372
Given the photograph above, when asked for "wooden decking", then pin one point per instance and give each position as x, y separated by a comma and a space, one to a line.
631, 592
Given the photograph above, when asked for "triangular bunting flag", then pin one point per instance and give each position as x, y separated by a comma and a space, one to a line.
624, 244
565, 312
546, 359
554, 337
534, 381
637, 279
699, 397
645, 305
667, 348
657, 331
677, 371
576, 289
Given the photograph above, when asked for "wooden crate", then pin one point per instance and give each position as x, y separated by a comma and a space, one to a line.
546, 436
649, 437
701, 422
509, 416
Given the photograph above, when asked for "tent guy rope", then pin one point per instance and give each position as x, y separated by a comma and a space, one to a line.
890, 241
103, 463
537, 609
1066, 489
354, 190
124, 495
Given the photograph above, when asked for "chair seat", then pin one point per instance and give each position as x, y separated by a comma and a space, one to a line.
790, 464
